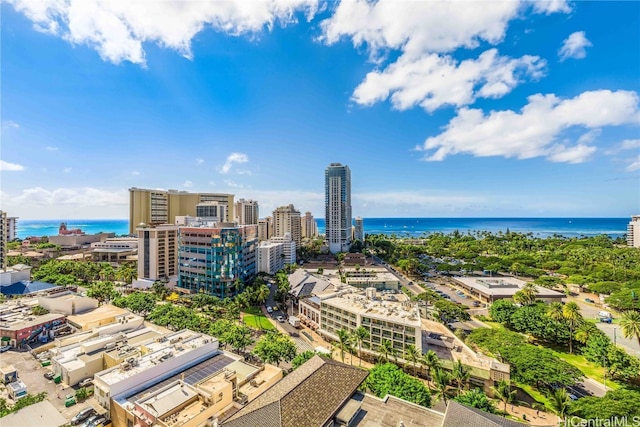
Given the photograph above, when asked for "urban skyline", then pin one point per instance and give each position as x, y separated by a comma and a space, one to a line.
522, 109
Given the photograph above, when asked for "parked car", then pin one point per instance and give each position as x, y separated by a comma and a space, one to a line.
269, 310
89, 420
82, 415
86, 382
5, 348
100, 422
589, 300
606, 320
280, 319
49, 375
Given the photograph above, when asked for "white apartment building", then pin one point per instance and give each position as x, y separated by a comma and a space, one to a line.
3, 240
633, 232
246, 212
309, 227
288, 249
398, 323
286, 220
157, 252
270, 257
337, 188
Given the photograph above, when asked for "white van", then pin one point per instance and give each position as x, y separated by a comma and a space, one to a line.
605, 314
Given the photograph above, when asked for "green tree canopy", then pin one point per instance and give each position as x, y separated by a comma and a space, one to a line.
390, 379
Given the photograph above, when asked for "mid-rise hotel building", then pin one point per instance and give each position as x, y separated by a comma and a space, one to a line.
155, 207
265, 228
286, 220
358, 233
308, 227
213, 257
157, 252
633, 232
337, 184
246, 212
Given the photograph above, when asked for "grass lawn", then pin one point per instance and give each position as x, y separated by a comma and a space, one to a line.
590, 370
254, 318
535, 394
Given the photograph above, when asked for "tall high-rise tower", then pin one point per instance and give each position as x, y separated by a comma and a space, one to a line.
633, 232
246, 212
337, 190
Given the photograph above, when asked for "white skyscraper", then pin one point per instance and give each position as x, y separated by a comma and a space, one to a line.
337, 188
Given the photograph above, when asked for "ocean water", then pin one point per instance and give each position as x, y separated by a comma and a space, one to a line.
402, 227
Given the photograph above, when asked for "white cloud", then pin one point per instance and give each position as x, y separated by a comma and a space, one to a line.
67, 170
630, 144
579, 153
199, 161
590, 136
231, 159
187, 184
574, 46
634, 165
421, 32
434, 80
10, 167
117, 29
232, 184
533, 131
50, 148
135, 173
81, 197
10, 124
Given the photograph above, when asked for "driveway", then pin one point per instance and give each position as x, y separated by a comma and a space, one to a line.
613, 330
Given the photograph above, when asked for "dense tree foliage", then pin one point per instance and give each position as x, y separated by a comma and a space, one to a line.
390, 379
599, 263
476, 399
274, 347
615, 404
141, 303
301, 358
530, 364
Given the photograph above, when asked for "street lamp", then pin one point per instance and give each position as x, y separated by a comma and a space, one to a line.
614, 336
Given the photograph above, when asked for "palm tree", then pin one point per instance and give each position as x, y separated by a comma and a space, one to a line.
530, 293
343, 342
504, 393
385, 349
559, 402
262, 294
554, 311
571, 314
442, 379
630, 324
585, 331
460, 374
431, 361
360, 334
412, 354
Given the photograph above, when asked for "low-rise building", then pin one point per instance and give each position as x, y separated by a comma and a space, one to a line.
490, 289
67, 303
114, 319
20, 329
115, 249
367, 278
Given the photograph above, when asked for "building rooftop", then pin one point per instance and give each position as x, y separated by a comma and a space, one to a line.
461, 415
304, 284
309, 396
30, 321
42, 414
25, 287
400, 313
502, 286
103, 312
156, 352
391, 411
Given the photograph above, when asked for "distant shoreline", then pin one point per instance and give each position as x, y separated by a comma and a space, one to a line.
402, 227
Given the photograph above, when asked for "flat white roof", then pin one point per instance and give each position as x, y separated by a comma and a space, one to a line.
389, 311
502, 286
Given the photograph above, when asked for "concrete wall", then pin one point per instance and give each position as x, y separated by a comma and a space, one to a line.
11, 276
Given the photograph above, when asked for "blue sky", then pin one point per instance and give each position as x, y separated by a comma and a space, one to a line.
440, 109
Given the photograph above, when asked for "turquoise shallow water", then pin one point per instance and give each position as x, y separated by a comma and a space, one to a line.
542, 227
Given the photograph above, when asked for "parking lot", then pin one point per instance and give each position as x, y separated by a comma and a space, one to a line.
32, 373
